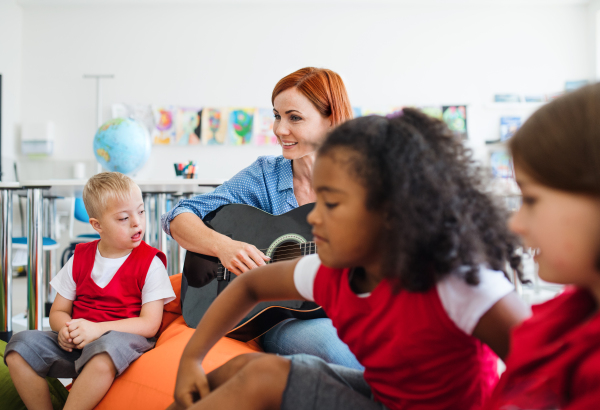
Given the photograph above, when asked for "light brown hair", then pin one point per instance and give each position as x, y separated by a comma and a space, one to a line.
103, 187
323, 88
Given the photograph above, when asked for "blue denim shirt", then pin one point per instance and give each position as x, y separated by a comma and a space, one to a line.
267, 184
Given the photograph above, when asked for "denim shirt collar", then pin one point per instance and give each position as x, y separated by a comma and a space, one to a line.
285, 182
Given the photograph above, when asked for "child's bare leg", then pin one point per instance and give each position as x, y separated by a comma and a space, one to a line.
32, 388
259, 384
225, 372
92, 383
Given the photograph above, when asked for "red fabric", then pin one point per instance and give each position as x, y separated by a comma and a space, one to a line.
555, 358
414, 355
122, 297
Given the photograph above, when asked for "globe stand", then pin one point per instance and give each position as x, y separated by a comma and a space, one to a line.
98, 77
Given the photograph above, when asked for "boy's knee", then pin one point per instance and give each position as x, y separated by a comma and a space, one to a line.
14, 359
101, 364
238, 362
266, 374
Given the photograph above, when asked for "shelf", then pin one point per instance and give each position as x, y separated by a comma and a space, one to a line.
513, 106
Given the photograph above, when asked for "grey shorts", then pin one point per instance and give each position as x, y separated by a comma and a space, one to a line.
315, 384
43, 353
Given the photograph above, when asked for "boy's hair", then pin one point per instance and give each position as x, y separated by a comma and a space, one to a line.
559, 145
427, 187
104, 186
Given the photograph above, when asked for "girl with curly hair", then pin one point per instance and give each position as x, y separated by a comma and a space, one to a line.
410, 269
555, 359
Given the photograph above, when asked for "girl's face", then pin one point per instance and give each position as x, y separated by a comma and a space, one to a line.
346, 233
563, 228
298, 125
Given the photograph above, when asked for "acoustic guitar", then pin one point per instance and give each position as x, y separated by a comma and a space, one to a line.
280, 237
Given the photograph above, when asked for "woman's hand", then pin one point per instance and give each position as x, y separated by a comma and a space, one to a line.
83, 332
239, 257
191, 385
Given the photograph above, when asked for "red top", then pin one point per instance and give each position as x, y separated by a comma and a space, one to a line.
122, 297
415, 357
555, 358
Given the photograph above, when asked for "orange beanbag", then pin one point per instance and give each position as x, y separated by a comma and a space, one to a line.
150, 381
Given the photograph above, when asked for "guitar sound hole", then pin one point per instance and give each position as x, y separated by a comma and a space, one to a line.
286, 251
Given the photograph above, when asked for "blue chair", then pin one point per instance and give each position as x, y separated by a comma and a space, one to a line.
79, 214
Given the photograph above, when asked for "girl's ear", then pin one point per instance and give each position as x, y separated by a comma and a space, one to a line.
96, 225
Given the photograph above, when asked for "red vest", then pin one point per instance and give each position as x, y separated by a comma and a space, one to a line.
415, 357
121, 298
554, 360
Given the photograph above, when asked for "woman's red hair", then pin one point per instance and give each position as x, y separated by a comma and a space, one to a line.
324, 88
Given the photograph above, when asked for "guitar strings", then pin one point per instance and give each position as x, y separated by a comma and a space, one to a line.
309, 250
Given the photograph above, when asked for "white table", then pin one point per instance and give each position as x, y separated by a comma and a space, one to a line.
6, 195
74, 188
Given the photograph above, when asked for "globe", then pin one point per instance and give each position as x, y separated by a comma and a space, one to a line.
122, 145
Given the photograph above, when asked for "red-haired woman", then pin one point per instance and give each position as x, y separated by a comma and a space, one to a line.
306, 105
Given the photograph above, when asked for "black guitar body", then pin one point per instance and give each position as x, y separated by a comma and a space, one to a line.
280, 237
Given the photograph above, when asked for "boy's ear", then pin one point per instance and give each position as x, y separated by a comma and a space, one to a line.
96, 225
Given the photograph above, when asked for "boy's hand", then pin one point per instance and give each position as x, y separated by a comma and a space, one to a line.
191, 385
83, 332
64, 340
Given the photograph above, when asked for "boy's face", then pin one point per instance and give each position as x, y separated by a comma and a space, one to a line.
346, 233
123, 223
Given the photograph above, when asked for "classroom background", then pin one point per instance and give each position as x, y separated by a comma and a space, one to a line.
68, 66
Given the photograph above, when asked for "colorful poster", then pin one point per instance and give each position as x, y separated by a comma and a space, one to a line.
376, 111
357, 112
164, 129
142, 113
455, 117
263, 127
187, 126
501, 164
214, 126
239, 127
508, 127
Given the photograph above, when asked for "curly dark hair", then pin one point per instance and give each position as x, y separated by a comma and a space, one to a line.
425, 183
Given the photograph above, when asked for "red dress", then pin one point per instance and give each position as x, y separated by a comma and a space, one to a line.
554, 361
122, 297
415, 357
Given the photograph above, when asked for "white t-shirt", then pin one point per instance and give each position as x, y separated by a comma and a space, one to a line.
157, 285
465, 304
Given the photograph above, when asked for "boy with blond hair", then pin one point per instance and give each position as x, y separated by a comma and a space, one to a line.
108, 306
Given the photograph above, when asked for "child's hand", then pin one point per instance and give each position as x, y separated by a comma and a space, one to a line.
64, 340
83, 332
191, 385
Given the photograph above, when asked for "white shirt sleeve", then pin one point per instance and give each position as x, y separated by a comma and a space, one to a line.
157, 285
304, 275
63, 282
466, 304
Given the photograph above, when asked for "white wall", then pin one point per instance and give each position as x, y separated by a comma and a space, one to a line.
10, 68
233, 54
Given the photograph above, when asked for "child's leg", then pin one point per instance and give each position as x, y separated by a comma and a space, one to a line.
92, 383
32, 388
247, 382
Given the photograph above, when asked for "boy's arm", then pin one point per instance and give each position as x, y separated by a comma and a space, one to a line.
60, 312
270, 282
147, 324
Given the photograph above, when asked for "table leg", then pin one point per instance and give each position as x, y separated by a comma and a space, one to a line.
34, 259
6, 265
161, 208
148, 211
48, 268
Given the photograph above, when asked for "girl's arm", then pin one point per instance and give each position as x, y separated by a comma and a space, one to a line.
83, 331
271, 282
495, 325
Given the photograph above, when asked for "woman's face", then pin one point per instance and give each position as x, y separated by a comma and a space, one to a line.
299, 127
564, 230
